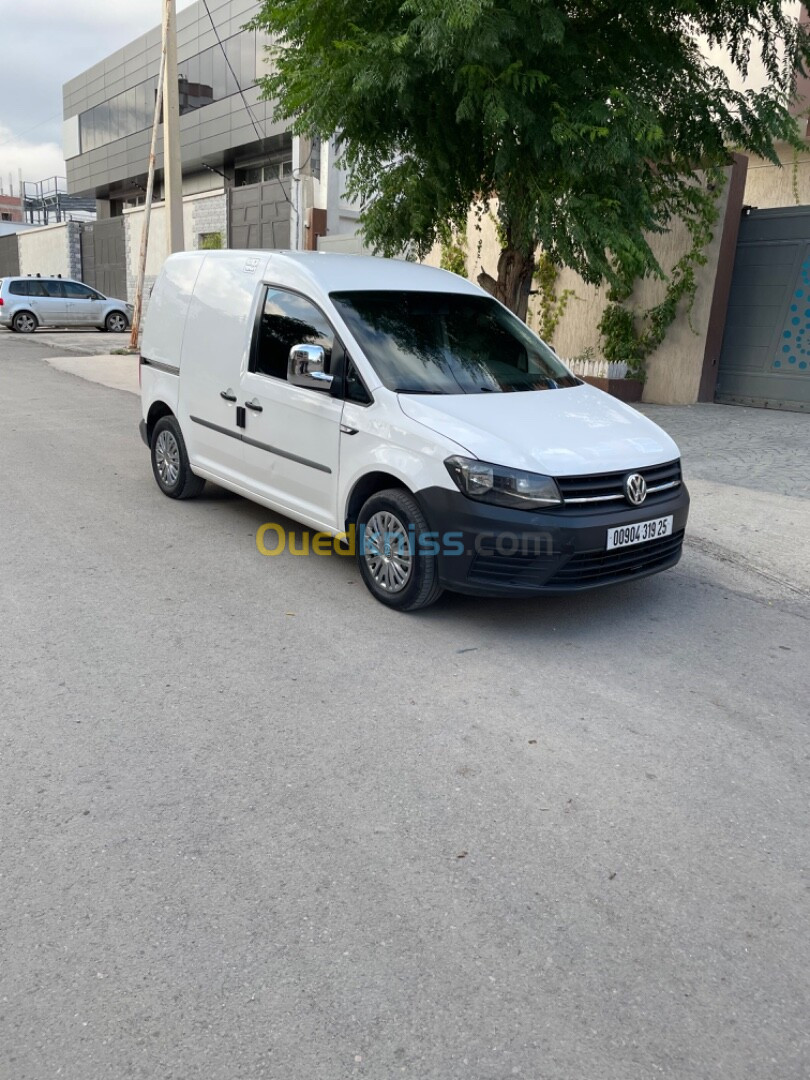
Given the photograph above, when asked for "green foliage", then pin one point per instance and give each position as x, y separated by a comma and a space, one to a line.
211, 241
588, 122
551, 306
631, 336
454, 251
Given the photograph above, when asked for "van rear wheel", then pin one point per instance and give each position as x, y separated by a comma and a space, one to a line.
170, 461
391, 531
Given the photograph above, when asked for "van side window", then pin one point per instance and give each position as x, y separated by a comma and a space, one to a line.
287, 320
355, 390
53, 288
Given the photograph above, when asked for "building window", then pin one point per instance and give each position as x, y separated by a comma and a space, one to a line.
5, 217
210, 241
203, 79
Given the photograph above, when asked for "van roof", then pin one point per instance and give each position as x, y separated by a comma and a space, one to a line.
335, 272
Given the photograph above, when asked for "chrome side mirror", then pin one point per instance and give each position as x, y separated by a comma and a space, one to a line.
305, 367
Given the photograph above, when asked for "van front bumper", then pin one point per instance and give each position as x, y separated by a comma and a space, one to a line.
495, 551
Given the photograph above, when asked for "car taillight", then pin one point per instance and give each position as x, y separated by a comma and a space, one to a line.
2, 301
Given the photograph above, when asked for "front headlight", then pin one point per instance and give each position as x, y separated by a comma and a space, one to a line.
502, 486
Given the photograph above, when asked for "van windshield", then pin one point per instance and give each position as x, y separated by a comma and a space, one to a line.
449, 343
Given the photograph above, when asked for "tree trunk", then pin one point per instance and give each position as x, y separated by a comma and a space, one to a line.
515, 270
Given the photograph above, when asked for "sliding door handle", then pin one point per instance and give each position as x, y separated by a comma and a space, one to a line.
254, 405
227, 395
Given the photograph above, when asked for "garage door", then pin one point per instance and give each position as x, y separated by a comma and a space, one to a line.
765, 359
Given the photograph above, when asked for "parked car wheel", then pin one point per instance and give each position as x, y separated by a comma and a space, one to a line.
170, 461
389, 553
24, 322
116, 323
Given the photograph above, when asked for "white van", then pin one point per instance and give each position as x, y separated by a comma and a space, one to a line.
403, 406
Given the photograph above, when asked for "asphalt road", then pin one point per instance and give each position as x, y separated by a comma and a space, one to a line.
255, 825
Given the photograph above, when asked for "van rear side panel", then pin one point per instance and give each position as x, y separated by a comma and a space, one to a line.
218, 331
168, 308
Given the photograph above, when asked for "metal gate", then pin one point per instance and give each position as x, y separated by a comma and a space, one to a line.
104, 256
9, 256
765, 359
259, 215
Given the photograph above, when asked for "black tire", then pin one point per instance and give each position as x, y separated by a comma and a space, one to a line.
170, 461
24, 322
406, 591
116, 323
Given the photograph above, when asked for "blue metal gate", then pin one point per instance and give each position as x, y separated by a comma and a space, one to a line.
765, 359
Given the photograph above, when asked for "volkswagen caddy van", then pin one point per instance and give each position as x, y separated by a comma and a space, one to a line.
405, 410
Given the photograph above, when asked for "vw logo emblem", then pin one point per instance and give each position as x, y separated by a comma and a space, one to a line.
635, 488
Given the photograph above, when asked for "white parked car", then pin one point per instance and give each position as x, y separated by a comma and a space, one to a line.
404, 403
27, 303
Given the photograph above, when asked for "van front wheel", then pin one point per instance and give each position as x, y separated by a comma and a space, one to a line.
391, 531
170, 461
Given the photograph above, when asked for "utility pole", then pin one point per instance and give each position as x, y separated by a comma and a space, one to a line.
147, 210
172, 168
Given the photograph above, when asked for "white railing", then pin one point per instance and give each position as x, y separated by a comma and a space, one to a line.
598, 369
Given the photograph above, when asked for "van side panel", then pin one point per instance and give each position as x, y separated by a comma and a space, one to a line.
217, 334
217, 337
168, 308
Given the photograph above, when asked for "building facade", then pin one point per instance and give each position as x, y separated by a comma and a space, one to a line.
247, 182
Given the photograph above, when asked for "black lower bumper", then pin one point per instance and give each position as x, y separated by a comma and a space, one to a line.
493, 551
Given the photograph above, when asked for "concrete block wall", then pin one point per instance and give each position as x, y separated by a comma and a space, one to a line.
74, 244
209, 215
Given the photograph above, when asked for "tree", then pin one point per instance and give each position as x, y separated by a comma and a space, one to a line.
591, 122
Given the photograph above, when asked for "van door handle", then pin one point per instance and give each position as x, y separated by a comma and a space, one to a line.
253, 405
228, 394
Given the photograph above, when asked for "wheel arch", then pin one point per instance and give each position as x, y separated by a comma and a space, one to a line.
366, 486
157, 410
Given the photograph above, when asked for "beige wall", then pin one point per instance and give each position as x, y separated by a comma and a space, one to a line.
768, 185
674, 370
45, 251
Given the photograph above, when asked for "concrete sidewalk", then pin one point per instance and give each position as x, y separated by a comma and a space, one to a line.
107, 369
748, 471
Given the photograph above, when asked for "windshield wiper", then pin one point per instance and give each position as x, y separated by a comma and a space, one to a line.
406, 390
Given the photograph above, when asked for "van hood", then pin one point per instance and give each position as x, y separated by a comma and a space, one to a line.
567, 432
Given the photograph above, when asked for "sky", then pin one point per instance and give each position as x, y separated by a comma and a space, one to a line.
45, 43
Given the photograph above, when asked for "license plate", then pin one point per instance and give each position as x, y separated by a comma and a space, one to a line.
640, 533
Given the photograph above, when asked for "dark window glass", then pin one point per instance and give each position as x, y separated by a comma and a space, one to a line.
233, 50
143, 116
101, 114
131, 106
35, 287
355, 390
207, 73
288, 320
18, 288
449, 343
53, 289
247, 44
218, 80
87, 130
205, 78
75, 291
